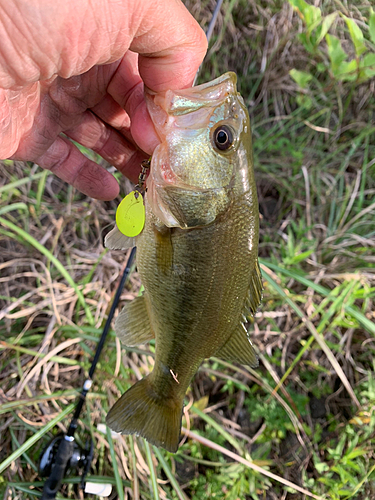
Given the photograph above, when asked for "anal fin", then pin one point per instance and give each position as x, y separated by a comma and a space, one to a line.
238, 349
132, 325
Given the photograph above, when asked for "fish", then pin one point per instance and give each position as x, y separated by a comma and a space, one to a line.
197, 255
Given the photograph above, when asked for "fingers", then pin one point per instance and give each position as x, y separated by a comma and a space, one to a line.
109, 111
93, 133
126, 88
68, 163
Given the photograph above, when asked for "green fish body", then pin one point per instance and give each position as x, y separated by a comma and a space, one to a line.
197, 255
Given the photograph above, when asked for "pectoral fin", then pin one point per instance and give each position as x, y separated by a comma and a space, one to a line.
164, 248
132, 325
238, 349
115, 240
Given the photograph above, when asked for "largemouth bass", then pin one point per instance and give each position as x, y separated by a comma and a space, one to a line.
197, 255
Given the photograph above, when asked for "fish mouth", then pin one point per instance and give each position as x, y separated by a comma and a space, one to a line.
163, 106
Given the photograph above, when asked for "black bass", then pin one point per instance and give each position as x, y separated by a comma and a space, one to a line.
197, 255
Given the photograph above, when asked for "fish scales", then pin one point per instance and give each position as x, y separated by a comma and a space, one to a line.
196, 256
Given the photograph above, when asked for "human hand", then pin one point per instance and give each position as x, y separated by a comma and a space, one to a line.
78, 68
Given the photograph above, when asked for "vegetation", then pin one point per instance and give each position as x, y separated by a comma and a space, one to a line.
302, 425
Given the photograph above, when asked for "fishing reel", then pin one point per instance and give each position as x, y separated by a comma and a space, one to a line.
76, 458
63, 456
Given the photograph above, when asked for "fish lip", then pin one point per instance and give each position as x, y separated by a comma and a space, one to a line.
184, 101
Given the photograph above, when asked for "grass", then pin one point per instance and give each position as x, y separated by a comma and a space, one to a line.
302, 425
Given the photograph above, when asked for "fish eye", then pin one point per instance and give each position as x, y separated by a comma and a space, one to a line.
223, 137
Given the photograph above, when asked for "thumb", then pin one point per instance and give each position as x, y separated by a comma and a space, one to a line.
170, 43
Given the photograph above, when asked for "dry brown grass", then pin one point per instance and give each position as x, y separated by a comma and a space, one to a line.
47, 342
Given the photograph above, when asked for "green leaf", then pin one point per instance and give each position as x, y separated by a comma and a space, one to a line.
304, 101
367, 66
309, 13
357, 452
302, 78
336, 53
301, 256
321, 467
356, 35
348, 71
371, 25
326, 24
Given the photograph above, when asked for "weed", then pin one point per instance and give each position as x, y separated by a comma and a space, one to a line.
302, 425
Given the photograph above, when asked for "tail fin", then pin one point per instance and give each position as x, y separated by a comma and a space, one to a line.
142, 412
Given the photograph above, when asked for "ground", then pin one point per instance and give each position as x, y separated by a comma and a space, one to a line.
306, 413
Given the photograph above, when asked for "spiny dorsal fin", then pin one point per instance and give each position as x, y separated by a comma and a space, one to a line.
238, 349
115, 240
255, 293
132, 325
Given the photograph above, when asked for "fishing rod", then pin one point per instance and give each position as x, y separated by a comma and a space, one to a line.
209, 32
63, 452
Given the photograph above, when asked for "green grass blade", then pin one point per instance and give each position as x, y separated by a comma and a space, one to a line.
20, 182
25, 455
217, 427
294, 362
7, 407
134, 465
154, 479
353, 310
318, 337
181, 495
13, 206
35, 438
119, 485
39, 194
24, 350
19, 231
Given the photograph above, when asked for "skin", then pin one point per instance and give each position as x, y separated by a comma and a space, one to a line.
79, 68
200, 276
